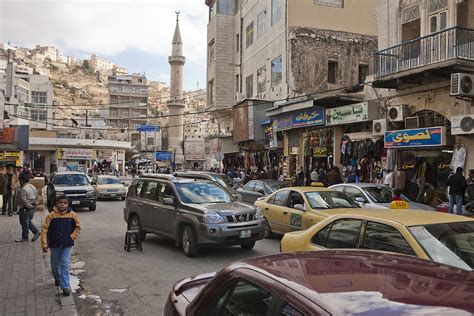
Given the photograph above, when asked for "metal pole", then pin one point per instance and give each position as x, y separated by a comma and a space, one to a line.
154, 153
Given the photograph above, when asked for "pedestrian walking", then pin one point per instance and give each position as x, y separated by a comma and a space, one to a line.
60, 229
334, 176
28, 202
8, 185
457, 187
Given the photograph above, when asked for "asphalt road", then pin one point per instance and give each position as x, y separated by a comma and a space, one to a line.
137, 283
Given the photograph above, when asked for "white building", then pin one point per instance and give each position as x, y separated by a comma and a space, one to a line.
100, 64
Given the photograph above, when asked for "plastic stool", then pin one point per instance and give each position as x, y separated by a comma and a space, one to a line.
132, 240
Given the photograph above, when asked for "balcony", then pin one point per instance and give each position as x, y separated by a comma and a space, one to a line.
437, 55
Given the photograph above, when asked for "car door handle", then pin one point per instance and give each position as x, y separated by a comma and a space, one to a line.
285, 212
139, 203
266, 208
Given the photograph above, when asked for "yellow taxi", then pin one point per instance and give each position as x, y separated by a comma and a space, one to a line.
440, 237
297, 208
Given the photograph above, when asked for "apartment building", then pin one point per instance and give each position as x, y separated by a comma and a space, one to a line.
128, 106
422, 43
101, 64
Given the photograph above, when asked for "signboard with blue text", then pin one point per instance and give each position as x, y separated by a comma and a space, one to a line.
148, 128
418, 137
310, 117
164, 155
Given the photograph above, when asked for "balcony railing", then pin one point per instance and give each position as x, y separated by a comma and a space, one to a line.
453, 43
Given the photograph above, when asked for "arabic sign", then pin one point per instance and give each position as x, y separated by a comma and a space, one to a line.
314, 116
352, 113
164, 155
75, 153
419, 137
148, 128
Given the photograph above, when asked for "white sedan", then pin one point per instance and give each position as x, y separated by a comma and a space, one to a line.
108, 187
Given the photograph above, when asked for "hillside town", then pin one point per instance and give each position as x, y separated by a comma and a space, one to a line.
332, 142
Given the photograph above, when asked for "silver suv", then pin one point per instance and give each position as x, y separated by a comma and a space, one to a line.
195, 213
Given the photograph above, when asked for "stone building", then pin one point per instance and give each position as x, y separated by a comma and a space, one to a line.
421, 44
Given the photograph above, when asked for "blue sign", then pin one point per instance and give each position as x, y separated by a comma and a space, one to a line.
164, 155
313, 116
419, 137
148, 128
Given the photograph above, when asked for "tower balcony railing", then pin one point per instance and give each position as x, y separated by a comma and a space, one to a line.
452, 43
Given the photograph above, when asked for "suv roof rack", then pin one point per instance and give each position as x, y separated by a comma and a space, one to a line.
159, 176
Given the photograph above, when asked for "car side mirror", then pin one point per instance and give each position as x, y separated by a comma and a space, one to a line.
122, 182
299, 207
360, 200
168, 201
93, 182
237, 197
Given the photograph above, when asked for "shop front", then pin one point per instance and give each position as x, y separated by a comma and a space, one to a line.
10, 158
75, 159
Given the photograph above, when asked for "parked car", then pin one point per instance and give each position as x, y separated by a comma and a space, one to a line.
441, 237
76, 186
108, 187
298, 208
193, 213
371, 195
326, 283
256, 189
221, 178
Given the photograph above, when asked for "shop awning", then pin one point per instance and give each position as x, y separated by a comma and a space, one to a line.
267, 122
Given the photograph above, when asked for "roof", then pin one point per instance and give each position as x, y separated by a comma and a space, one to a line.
177, 35
308, 189
360, 281
361, 185
404, 217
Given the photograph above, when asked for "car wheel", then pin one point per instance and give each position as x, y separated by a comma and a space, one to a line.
134, 224
189, 242
268, 230
248, 245
92, 208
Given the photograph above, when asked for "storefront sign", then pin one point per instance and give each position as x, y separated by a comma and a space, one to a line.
320, 151
354, 113
75, 153
12, 154
298, 119
164, 155
419, 137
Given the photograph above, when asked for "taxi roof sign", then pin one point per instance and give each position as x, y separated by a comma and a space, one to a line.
397, 205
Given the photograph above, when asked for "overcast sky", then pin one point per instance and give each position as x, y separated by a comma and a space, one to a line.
135, 34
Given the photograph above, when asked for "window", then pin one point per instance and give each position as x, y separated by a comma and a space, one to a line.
321, 237
249, 86
261, 23
38, 115
353, 193
276, 71
295, 198
262, 80
344, 234
277, 11
125, 114
149, 191
249, 35
227, 7
289, 310
38, 97
212, 10
332, 3
438, 21
140, 80
386, 238
211, 91
250, 186
165, 191
332, 71
259, 187
150, 141
281, 198
237, 83
212, 55
113, 113
237, 42
363, 72
436, 5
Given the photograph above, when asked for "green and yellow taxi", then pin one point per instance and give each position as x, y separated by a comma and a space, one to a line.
441, 237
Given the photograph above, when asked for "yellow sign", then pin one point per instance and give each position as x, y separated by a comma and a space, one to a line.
399, 205
12, 154
1, 155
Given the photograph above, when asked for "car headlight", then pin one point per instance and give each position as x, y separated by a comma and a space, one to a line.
258, 213
91, 193
212, 217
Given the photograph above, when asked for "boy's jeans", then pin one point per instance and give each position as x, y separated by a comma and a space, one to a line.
26, 215
60, 261
455, 199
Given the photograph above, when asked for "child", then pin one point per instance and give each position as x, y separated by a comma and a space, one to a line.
61, 227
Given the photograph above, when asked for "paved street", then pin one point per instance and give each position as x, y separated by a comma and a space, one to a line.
137, 283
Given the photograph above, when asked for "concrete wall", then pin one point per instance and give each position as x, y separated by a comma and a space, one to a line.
357, 16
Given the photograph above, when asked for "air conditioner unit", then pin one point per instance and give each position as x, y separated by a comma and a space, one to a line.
462, 124
395, 113
379, 127
412, 122
462, 85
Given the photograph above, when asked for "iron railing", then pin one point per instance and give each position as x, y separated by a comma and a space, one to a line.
453, 43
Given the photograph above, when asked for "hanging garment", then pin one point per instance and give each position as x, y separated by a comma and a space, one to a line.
378, 147
459, 158
399, 178
391, 161
388, 179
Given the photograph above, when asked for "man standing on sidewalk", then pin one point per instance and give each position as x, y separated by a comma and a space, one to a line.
28, 202
8, 185
457, 187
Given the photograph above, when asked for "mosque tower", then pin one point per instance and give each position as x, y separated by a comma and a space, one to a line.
176, 102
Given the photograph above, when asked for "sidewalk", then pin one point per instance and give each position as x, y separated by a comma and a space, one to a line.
26, 283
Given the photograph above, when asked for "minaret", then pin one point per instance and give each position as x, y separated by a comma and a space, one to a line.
176, 102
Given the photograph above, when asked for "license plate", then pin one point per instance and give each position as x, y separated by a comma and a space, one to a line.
76, 202
245, 234
112, 195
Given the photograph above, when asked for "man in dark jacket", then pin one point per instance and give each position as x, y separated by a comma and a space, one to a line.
334, 176
457, 187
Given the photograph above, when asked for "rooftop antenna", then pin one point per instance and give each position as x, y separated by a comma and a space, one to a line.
177, 15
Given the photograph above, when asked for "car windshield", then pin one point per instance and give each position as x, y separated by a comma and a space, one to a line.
274, 186
381, 194
70, 179
329, 199
448, 243
108, 180
224, 180
202, 192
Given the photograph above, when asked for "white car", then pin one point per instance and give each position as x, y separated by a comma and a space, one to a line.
372, 195
108, 187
